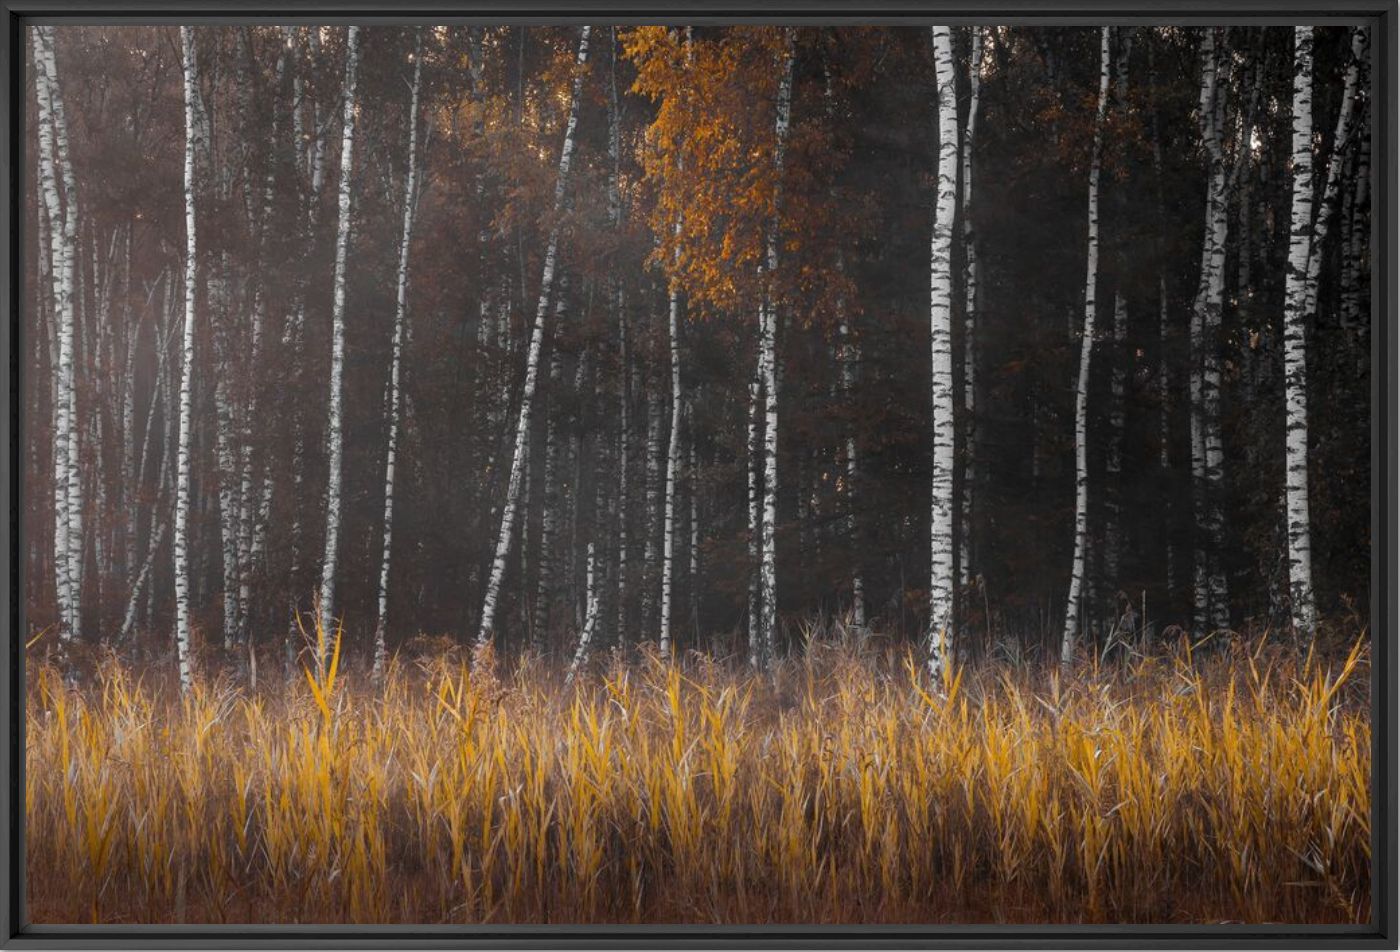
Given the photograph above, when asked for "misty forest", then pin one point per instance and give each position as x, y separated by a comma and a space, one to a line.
701, 430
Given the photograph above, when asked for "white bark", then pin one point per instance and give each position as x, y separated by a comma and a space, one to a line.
694, 529
227, 457
1341, 141
673, 461
550, 498
768, 371
652, 475
60, 272
410, 192
755, 512
590, 624
335, 443
522, 430
941, 568
182, 464
70, 268
1295, 365
970, 278
1113, 460
624, 438
1073, 607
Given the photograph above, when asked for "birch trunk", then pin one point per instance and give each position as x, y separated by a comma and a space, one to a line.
755, 512
410, 192
182, 459
652, 475
61, 278
1295, 363
673, 461
624, 438
335, 443
550, 502
1073, 607
590, 624
941, 568
522, 431
73, 481
768, 369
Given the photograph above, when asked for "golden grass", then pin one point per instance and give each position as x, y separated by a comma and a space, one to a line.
1229, 788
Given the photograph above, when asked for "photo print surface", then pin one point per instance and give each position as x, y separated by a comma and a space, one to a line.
612, 474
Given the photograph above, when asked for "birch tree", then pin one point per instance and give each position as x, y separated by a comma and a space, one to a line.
768, 366
673, 461
1211, 610
1074, 607
182, 459
527, 395
335, 440
410, 187
1295, 359
941, 569
61, 275
1307, 233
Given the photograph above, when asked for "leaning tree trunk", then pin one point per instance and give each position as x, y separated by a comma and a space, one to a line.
532, 363
941, 567
182, 460
1295, 364
410, 189
335, 439
1073, 607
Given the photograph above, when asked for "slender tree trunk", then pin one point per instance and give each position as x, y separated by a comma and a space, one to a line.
966, 567
550, 502
410, 193
590, 624
335, 440
73, 459
694, 529
1295, 364
1207, 452
768, 372
60, 271
652, 475
522, 433
224, 442
941, 540
182, 464
1074, 607
755, 511
673, 462
1113, 460
624, 436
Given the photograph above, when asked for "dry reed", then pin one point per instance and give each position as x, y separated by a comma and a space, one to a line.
842, 789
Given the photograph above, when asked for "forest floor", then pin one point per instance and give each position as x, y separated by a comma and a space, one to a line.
1231, 786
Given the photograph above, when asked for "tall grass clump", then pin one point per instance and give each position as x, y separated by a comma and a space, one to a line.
843, 788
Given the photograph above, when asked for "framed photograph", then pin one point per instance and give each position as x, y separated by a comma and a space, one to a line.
788, 476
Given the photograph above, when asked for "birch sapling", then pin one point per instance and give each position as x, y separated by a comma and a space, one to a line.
410, 192
1073, 607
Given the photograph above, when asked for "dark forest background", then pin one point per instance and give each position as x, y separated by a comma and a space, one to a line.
857, 194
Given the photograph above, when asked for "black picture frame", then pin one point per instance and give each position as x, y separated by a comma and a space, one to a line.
1380, 933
